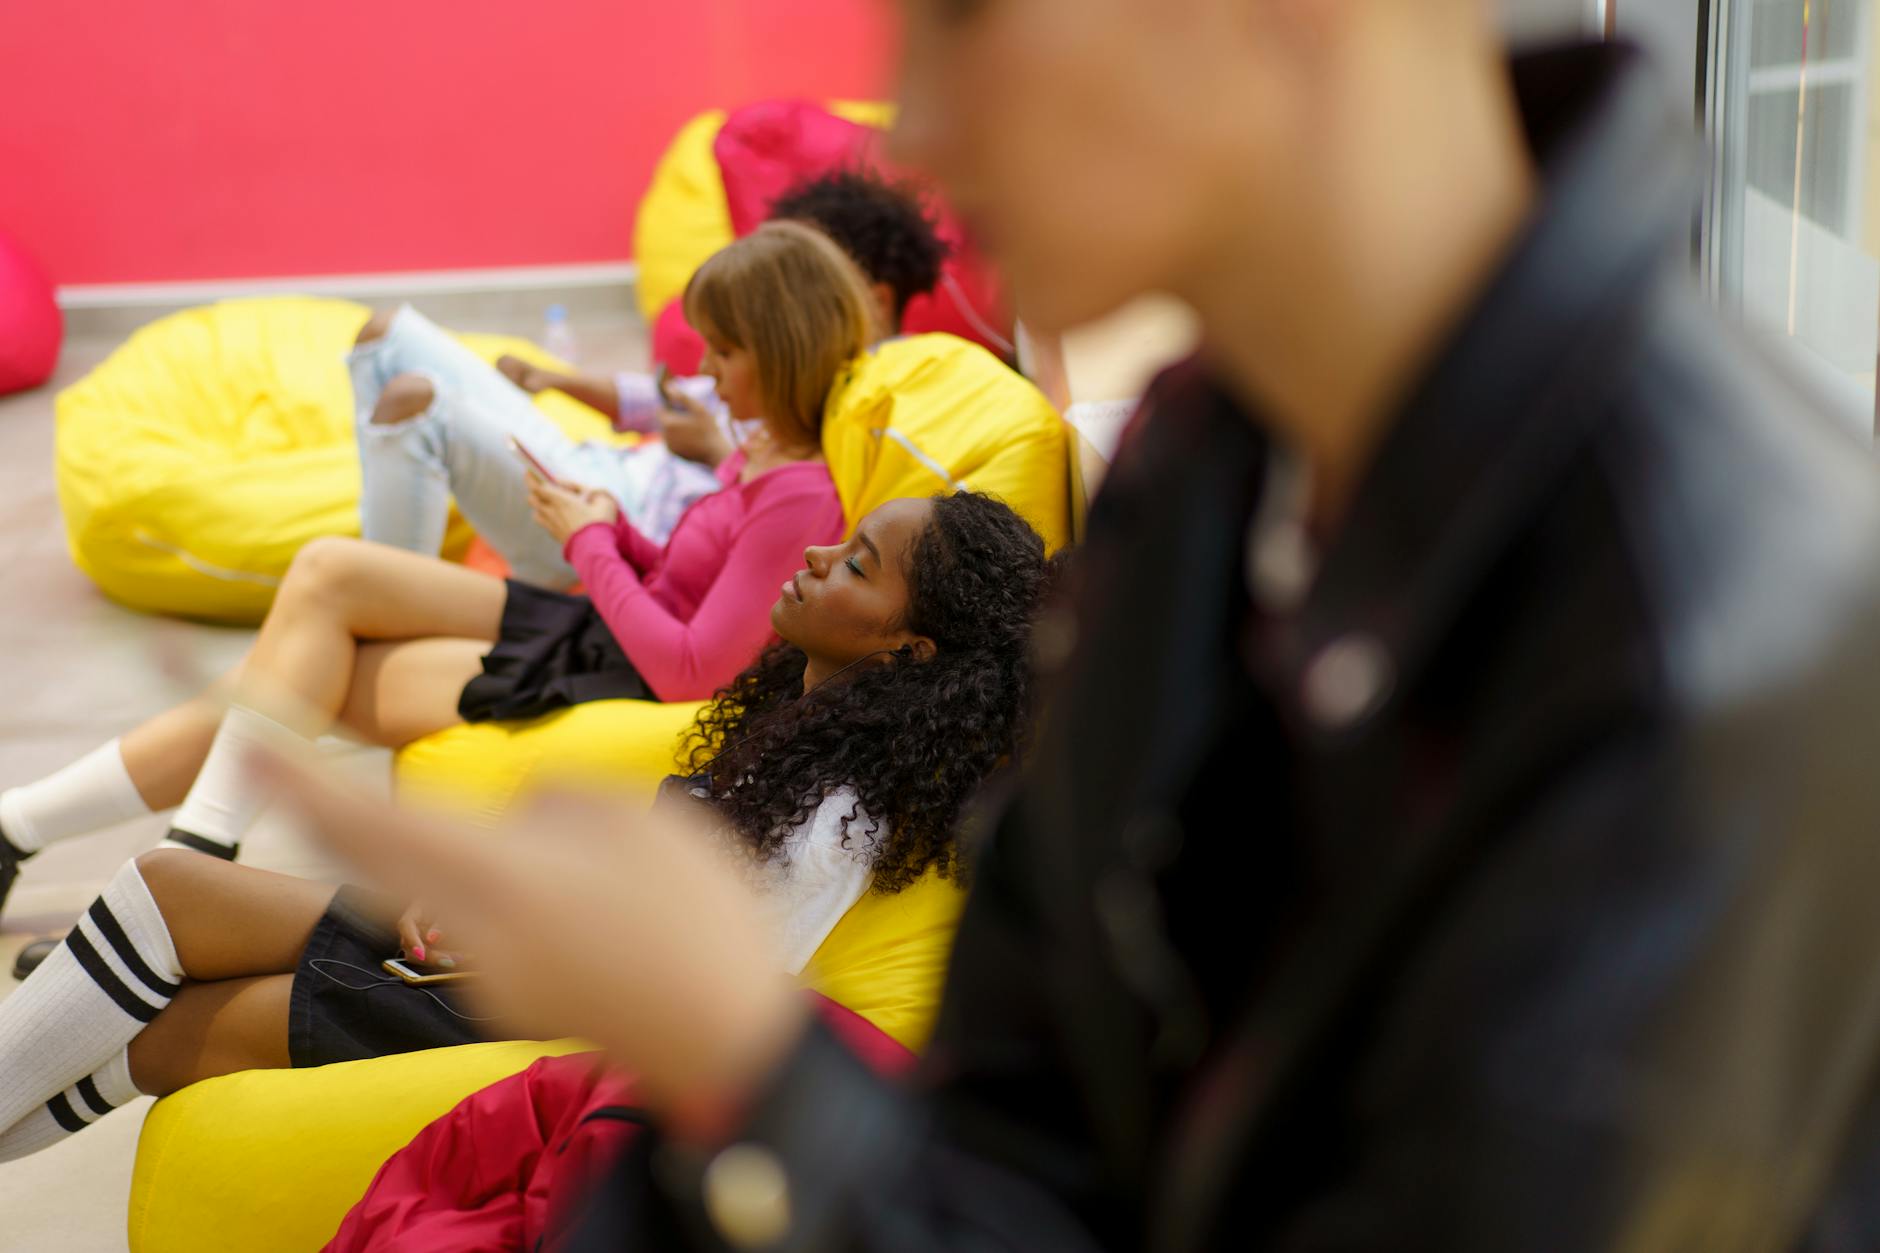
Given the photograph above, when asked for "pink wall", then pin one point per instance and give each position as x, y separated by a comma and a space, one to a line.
145, 142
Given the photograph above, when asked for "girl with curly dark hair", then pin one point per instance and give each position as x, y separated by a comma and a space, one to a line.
910, 740
839, 761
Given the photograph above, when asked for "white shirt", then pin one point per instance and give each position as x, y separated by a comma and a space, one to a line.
813, 879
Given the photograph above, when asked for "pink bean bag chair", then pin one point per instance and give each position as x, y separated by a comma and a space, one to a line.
763, 150
30, 323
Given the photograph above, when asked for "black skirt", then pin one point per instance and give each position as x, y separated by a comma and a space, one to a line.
344, 1007
553, 650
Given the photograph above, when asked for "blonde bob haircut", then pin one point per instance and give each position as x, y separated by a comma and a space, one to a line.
790, 297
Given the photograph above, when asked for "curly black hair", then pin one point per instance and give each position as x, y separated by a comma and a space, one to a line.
913, 739
881, 225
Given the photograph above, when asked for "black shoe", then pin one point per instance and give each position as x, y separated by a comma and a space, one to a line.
34, 955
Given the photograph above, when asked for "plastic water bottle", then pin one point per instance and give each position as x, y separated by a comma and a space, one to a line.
557, 335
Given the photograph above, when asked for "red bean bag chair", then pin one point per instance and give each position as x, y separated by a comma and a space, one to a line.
762, 151
31, 326
510, 1166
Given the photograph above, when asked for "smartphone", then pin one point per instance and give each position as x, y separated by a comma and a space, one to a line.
661, 378
418, 976
532, 461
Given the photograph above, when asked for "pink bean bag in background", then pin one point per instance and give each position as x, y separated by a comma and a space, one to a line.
31, 326
675, 344
763, 150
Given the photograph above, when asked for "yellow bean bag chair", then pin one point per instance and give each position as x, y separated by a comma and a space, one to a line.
197, 459
930, 413
683, 218
273, 1159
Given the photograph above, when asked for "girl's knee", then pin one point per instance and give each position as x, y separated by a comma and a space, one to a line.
376, 326
166, 872
405, 396
323, 568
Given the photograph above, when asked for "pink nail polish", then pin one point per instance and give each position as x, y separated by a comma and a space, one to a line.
417, 954
432, 936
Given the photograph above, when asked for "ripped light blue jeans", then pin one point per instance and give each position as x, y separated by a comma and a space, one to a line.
459, 446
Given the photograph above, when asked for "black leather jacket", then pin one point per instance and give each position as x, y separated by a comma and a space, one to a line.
1515, 892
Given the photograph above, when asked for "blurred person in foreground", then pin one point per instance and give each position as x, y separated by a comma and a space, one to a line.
1453, 826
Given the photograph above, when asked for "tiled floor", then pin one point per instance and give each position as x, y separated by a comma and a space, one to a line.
79, 669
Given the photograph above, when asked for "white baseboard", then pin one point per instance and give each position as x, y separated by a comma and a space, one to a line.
468, 299
417, 283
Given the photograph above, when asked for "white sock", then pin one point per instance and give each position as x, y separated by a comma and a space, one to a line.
72, 1110
92, 793
116, 971
224, 801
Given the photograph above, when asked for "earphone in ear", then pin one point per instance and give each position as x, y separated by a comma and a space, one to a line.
905, 650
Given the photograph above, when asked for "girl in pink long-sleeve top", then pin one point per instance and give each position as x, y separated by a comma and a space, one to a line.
390, 646
782, 312
684, 614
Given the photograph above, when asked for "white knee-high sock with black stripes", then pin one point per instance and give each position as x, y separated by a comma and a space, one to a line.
72, 1110
114, 973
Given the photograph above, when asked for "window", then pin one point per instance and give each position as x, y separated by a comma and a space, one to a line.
1792, 229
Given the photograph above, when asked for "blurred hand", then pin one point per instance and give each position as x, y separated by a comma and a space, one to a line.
630, 930
693, 432
521, 373
1043, 358
561, 511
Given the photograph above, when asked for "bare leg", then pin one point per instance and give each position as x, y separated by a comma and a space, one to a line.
214, 1029
399, 692
239, 933
164, 754
228, 921
408, 689
337, 593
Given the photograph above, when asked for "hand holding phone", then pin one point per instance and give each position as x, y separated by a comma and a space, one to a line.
534, 463
561, 509
692, 431
662, 383
418, 976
